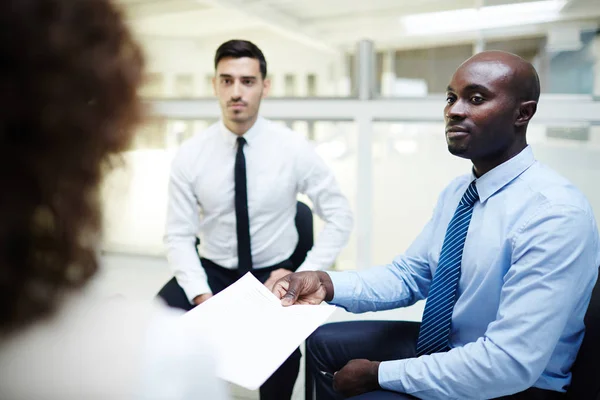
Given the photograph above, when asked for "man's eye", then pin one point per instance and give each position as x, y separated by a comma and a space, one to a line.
477, 99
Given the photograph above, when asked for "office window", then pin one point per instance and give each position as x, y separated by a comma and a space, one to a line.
153, 86
290, 85
311, 85
568, 69
208, 85
528, 48
428, 70
151, 135
184, 86
379, 70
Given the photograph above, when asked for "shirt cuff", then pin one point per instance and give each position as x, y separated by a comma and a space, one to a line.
389, 375
194, 289
343, 286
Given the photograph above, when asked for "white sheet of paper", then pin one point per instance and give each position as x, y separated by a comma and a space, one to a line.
252, 333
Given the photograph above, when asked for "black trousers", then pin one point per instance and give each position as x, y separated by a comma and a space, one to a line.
331, 346
281, 384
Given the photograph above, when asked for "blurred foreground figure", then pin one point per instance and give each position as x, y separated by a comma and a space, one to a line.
69, 75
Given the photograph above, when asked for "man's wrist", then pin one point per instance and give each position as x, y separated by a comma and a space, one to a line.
200, 298
327, 284
374, 375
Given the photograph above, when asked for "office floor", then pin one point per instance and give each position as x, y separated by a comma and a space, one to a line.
140, 277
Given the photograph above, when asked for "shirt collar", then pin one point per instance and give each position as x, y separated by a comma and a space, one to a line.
250, 135
492, 181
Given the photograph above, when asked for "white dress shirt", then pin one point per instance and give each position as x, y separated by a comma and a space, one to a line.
280, 163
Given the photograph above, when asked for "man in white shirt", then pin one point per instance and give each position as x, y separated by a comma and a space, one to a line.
236, 186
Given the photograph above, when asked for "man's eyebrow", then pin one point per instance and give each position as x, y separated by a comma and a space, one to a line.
242, 77
474, 87
477, 87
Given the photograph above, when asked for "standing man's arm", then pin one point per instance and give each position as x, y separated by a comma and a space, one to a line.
181, 230
317, 181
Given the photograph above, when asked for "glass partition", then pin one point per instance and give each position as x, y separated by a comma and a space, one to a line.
565, 59
412, 166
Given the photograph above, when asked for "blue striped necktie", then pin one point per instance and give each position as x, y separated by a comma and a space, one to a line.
437, 317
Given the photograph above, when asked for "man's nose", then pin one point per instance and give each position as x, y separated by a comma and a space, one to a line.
456, 111
237, 91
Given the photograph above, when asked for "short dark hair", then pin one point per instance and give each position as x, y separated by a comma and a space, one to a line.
241, 48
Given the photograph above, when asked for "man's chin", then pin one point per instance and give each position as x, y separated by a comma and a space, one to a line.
459, 151
238, 118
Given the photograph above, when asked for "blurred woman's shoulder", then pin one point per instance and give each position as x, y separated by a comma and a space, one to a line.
107, 348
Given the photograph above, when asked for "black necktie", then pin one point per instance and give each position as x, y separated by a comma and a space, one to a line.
241, 210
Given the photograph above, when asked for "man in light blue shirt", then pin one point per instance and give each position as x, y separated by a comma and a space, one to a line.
507, 264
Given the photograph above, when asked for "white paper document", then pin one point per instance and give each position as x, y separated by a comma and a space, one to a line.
251, 332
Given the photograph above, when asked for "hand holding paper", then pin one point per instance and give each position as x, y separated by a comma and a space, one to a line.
252, 332
309, 287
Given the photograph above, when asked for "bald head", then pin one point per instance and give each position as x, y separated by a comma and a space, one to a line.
520, 75
490, 100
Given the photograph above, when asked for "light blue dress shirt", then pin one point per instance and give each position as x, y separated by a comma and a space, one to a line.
530, 262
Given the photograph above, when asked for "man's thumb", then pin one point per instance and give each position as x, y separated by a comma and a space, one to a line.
291, 296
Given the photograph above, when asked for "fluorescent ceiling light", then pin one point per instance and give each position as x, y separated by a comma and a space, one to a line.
475, 19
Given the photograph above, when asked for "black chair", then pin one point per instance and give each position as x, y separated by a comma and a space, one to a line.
585, 384
172, 294
304, 226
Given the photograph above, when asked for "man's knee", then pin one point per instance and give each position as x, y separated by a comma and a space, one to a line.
319, 343
320, 337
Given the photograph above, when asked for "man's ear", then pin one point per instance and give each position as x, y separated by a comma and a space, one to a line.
527, 110
266, 87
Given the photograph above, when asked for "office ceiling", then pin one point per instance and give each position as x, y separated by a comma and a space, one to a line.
338, 24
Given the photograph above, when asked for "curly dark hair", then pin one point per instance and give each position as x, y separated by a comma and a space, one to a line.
69, 76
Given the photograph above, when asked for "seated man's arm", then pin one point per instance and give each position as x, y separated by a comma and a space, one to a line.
399, 284
181, 231
555, 264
